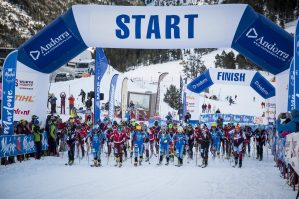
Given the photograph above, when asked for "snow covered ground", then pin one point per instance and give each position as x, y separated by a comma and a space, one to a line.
50, 178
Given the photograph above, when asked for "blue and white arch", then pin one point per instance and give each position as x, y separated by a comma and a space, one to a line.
213, 26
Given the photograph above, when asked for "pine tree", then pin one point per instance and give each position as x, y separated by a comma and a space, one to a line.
172, 97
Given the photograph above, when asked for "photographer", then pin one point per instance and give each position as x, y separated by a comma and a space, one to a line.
291, 126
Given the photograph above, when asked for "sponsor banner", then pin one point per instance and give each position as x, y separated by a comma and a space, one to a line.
101, 66
291, 151
53, 46
12, 145
31, 92
185, 99
8, 92
227, 76
111, 110
242, 119
200, 83
253, 35
192, 105
181, 98
296, 68
262, 86
124, 98
264, 43
157, 105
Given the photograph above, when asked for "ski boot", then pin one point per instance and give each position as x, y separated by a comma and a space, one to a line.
116, 163
205, 163
240, 163
99, 163
167, 161
160, 160
140, 160
236, 162
120, 164
71, 162
147, 159
179, 162
135, 162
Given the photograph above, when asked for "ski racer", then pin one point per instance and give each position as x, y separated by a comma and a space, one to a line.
164, 140
138, 137
180, 141
238, 140
97, 136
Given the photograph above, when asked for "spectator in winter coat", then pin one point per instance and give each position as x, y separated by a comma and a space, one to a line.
62, 102
52, 101
209, 108
88, 103
37, 141
292, 126
71, 103
83, 94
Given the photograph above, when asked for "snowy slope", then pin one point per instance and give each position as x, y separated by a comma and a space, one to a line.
145, 79
49, 178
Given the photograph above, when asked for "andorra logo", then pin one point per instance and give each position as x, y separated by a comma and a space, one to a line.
252, 33
35, 54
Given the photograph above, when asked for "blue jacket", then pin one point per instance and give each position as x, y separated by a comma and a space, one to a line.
138, 137
181, 139
216, 135
97, 136
290, 126
164, 139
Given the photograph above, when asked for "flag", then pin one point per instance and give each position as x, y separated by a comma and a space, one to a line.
101, 66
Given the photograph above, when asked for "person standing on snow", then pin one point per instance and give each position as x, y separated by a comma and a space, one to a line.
62, 102
238, 140
82, 94
97, 137
70, 141
52, 136
71, 103
164, 140
204, 141
37, 140
138, 137
180, 140
216, 136
118, 140
190, 135
52, 101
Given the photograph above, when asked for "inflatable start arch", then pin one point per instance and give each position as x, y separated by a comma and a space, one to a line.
82, 26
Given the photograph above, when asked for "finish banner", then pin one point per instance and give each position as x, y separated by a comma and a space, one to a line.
233, 77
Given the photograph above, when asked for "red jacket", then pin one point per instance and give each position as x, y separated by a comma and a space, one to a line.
118, 137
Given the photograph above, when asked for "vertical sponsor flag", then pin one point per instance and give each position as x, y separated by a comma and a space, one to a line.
181, 98
8, 92
296, 67
112, 97
161, 77
100, 69
185, 99
124, 97
291, 96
